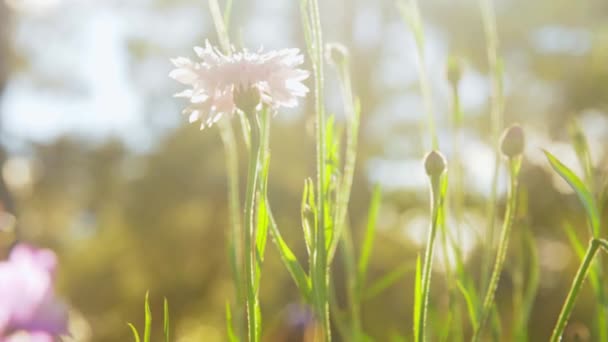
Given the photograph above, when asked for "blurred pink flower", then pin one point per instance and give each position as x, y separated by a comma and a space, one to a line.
27, 300
216, 77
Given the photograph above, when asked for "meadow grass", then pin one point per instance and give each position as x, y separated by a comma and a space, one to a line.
327, 231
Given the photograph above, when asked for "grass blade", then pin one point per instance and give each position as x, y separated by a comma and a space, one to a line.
417, 298
581, 147
386, 281
533, 282
262, 221
581, 190
368, 240
229, 330
166, 328
469, 299
574, 240
308, 213
134, 331
290, 261
148, 318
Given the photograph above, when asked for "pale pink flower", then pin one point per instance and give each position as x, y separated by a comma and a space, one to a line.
215, 78
28, 306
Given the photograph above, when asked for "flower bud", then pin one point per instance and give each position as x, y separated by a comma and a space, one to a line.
247, 99
512, 142
434, 163
336, 53
454, 70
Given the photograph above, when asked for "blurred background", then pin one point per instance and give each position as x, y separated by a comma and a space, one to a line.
98, 164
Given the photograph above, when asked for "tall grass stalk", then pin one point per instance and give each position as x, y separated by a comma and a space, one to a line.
589, 203
456, 202
253, 326
428, 264
581, 147
488, 303
581, 274
411, 15
435, 167
236, 240
320, 267
488, 16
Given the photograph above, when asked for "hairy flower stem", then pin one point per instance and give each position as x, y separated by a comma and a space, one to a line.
320, 267
428, 255
253, 328
575, 289
235, 244
488, 303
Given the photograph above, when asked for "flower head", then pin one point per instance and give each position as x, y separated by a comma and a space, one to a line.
27, 295
215, 79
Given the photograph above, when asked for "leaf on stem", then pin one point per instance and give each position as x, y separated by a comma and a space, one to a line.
134, 331
229, 330
580, 189
148, 318
417, 298
368, 240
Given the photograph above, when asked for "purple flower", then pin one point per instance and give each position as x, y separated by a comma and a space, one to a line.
27, 297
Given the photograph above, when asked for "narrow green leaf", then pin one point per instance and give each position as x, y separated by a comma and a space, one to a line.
289, 260
581, 147
258, 317
496, 324
417, 298
332, 177
166, 329
262, 221
308, 214
580, 250
368, 240
471, 304
411, 15
134, 331
386, 281
581, 190
575, 242
148, 318
229, 324
533, 282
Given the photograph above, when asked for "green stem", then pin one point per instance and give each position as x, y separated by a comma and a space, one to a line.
489, 24
428, 256
235, 246
249, 234
575, 289
320, 267
503, 245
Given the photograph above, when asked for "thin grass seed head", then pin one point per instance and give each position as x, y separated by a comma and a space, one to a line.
434, 163
216, 80
512, 142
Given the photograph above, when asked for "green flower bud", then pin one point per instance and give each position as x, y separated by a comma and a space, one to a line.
512, 142
434, 163
336, 53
